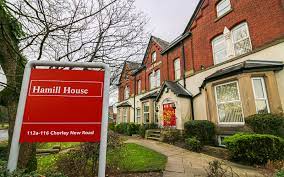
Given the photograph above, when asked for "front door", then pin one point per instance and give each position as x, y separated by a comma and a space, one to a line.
169, 115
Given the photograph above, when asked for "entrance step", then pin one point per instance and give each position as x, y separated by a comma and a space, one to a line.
153, 134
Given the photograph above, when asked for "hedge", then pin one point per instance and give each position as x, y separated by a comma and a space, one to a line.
193, 144
203, 130
255, 148
267, 124
127, 128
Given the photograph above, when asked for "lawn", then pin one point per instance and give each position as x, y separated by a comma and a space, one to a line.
135, 158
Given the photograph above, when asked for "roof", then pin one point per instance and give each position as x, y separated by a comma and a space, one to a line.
133, 66
124, 104
152, 95
162, 43
245, 67
175, 42
176, 88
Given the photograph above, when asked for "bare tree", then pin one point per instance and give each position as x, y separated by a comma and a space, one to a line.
108, 31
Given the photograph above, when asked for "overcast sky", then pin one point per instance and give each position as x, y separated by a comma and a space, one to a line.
168, 18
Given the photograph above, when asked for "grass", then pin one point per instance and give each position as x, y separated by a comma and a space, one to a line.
4, 126
135, 158
46, 163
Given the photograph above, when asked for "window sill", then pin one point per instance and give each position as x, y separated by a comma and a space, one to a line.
225, 14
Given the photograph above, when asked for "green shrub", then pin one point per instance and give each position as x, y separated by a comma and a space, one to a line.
203, 130
193, 144
121, 128
170, 135
111, 126
267, 124
132, 129
255, 148
144, 127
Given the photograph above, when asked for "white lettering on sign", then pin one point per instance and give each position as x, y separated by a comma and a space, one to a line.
66, 88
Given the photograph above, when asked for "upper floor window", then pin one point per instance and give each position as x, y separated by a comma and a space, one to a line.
229, 106
231, 44
223, 7
154, 56
219, 49
126, 92
260, 95
177, 69
152, 81
157, 78
139, 86
241, 39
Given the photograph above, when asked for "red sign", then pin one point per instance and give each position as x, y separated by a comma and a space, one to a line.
63, 106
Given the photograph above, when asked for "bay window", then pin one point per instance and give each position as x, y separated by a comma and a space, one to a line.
241, 39
223, 7
146, 112
229, 106
260, 95
177, 69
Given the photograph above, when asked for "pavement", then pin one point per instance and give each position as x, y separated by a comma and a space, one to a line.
184, 163
3, 135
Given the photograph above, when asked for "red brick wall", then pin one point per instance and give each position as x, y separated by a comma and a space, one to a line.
265, 21
125, 82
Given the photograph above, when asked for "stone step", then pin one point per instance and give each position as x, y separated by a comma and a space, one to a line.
154, 131
154, 138
154, 135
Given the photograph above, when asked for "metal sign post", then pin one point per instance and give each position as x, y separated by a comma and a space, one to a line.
15, 145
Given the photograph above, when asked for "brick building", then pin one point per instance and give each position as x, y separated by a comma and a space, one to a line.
227, 65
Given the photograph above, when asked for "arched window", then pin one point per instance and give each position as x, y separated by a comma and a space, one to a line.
126, 92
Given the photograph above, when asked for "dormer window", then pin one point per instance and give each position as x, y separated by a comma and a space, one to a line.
154, 56
223, 7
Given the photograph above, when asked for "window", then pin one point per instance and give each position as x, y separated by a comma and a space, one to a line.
152, 81
219, 49
223, 7
229, 106
126, 92
138, 115
139, 86
221, 139
241, 39
146, 112
157, 78
177, 69
118, 116
124, 115
260, 95
154, 56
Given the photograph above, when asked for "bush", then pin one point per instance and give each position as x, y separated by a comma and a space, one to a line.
193, 144
132, 129
255, 148
111, 126
267, 124
144, 127
121, 128
280, 173
170, 135
203, 130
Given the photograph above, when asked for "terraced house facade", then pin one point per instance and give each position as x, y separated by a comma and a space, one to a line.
226, 65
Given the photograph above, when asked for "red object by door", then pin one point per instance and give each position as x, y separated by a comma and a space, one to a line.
169, 115
63, 106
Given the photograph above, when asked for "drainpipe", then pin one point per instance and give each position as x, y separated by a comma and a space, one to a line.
184, 63
134, 97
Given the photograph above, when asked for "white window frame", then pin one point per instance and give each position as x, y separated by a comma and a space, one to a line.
154, 57
157, 78
138, 117
213, 44
217, 104
220, 140
222, 12
152, 80
177, 71
264, 91
233, 40
124, 115
139, 86
126, 92
144, 118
